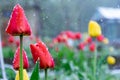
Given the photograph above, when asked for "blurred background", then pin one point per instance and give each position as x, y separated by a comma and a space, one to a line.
59, 15
48, 18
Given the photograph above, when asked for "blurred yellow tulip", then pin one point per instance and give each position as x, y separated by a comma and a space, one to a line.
25, 75
111, 60
94, 29
105, 41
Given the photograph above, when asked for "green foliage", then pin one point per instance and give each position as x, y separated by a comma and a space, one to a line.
70, 61
72, 64
10, 74
35, 73
8, 52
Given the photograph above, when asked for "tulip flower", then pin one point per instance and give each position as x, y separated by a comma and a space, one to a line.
16, 60
3, 43
111, 60
55, 41
78, 35
11, 39
40, 51
18, 24
100, 38
25, 75
17, 42
105, 41
70, 34
89, 40
92, 47
81, 46
94, 29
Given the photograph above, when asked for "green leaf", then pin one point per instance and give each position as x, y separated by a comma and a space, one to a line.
35, 73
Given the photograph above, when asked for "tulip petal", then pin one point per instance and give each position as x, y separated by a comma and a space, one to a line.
18, 24
25, 75
40, 51
16, 61
94, 29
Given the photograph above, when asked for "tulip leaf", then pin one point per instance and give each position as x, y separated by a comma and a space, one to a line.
35, 73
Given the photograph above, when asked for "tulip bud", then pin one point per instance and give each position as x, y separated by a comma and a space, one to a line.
78, 35
105, 41
18, 24
81, 46
25, 75
92, 47
89, 40
11, 39
94, 29
111, 60
40, 51
100, 38
16, 61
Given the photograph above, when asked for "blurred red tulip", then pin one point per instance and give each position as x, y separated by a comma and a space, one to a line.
70, 34
92, 47
64, 38
100, 38
16, 61
89, 39
58, 38
11, 39
17, 42
51, 45
18, 24
37, 39
40, 51
78, 35
3, 44
81, 46
55, 40
31, 37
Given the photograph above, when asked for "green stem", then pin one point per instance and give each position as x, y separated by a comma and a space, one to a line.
21, 58
95, 63
45, 74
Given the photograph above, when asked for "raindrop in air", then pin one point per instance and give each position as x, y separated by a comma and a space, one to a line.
46, 17
34, 15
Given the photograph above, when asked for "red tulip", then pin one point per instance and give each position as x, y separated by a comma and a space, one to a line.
100, 38
92, 47
16, 61
78, 35
31, 37
55, 40
70, 34
17, 42
81, 46
58, 39
18, 24
40, 51
89, 39
62, 38
10, 39
3, 43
